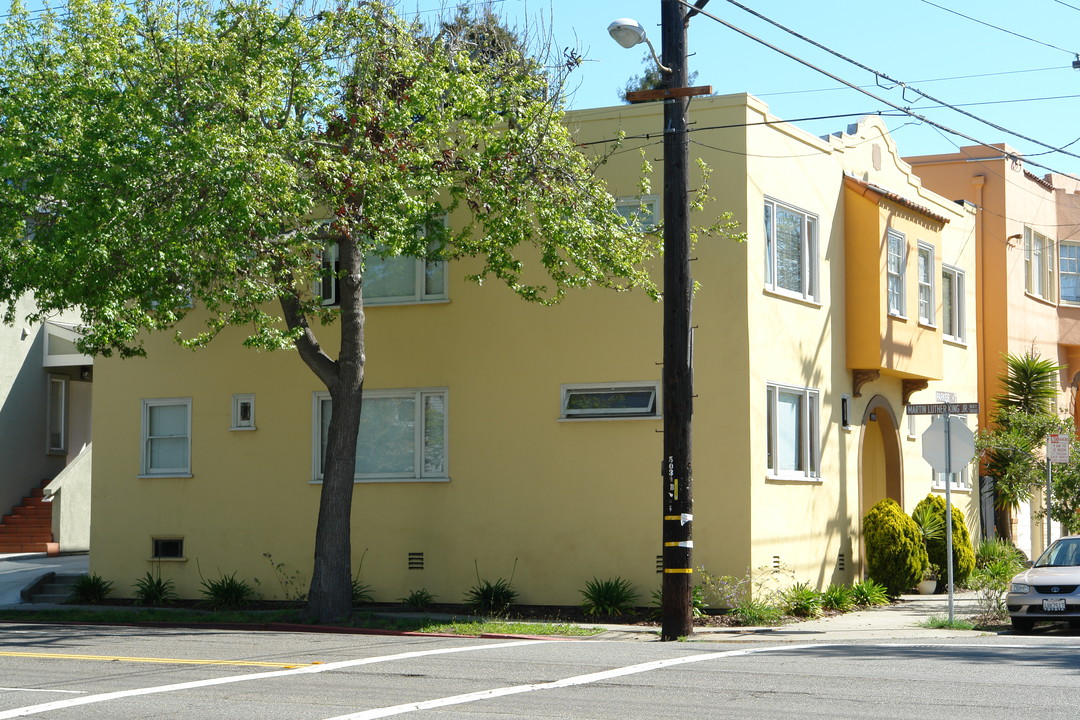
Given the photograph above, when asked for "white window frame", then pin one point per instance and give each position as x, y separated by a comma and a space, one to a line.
56, 414
810, 433
641, 212
419, 474
568, 391
927, 316
1073, 249
146, 469
1038, 265
896, 273
952, 306
808, 260
239, 401
960, 481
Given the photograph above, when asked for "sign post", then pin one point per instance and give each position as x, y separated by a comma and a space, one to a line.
947, 443
1057, 451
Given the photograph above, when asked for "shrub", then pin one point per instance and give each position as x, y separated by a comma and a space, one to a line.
154, 591
418, 599
293, 584
895, 554
838, 597
868, 593
756, 612
491, 598
608, 597
990, 550
89, 589
801, 600
963, 554
361, 592
227, 593
991, 582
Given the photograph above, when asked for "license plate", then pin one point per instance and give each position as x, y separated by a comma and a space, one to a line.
1054, 605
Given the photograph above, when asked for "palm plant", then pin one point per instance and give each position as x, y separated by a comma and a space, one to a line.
1029, 384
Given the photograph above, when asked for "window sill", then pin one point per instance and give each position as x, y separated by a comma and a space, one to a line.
400, 303
898, 316
241, 429
166, 559
954, 488
956, 342
803, 480
1040, 299
371, 481
164, 475
608, 417
927, 325
784, 295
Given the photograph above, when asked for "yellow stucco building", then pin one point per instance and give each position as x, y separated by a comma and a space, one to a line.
499, 433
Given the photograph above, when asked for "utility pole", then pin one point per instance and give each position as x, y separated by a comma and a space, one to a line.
678, 387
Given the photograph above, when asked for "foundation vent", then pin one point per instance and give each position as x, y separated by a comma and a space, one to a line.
416, 561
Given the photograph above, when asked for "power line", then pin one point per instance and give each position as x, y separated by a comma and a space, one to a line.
906, 111
995, 27
1067, 5
897, 83
930, 80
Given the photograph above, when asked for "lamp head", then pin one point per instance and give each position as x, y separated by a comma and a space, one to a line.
627, 32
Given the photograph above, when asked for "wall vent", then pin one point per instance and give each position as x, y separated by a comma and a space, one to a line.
776, 563
416, 561
840, 562
660, 563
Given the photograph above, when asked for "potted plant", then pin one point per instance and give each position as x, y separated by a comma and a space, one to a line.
928, 585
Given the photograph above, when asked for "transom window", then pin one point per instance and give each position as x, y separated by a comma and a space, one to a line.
613, 400
1038, 264
952, 303
166, 433
1069, 272
897, 267
403, 435
790, 251
926, 284
793, 436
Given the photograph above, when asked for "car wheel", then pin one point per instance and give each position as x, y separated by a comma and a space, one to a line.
1022, 625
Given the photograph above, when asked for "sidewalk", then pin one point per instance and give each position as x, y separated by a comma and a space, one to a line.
899, 621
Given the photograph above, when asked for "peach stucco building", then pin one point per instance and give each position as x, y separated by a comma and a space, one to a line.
530, 435
1029, 275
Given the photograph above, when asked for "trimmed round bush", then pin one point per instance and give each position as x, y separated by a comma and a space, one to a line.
963, 552
895, 555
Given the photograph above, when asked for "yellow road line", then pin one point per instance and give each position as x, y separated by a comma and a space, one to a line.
168, 661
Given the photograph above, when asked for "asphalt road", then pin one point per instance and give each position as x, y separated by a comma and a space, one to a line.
60, 672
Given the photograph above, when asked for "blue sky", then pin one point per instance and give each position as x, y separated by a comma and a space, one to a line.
1024, 84
1017, 75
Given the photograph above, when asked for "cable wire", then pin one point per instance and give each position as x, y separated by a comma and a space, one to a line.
1010, 32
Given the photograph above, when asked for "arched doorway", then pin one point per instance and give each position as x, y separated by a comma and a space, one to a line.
880, 468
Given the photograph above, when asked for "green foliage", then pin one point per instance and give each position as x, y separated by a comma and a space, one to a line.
931, 523
868, 593
293, 583
997, 549
1029, 384
840, 598
491, 598
89, 589
895, 555
698, 605
361, 592
933, 506
942, 622
757, 613
801, 600
154, 591
765, 583
991, 583
419, 599
612, 596
226, 593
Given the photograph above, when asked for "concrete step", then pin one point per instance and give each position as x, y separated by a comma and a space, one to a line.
51, 588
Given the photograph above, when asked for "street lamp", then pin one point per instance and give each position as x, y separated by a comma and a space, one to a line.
676, 616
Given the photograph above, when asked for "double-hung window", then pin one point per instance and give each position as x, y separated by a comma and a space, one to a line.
1038, 264
895, 271
958, 480
790, 251
952, 303
793, 429
56, 431
926, 284
166, 437
640, 213
403, 435
1069, 272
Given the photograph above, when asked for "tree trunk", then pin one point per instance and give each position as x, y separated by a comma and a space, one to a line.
330, 594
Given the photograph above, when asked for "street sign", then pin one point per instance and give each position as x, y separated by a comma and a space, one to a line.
961, 444
945, 397
943, 408
1057, 448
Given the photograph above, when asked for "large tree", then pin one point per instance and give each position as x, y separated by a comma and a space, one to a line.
161, 160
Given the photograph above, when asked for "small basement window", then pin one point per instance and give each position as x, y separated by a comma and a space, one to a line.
243, 412
168, 549
613, 400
